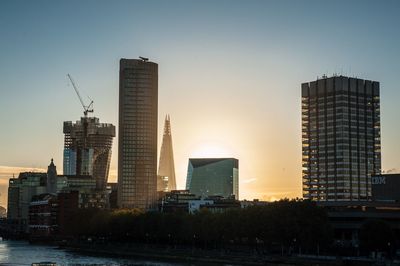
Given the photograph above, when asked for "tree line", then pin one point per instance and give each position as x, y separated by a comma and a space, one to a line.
282, 224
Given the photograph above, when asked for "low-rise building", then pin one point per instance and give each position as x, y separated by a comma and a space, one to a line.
176, 200
68, 204
43, 218
386, 187
20, 193
196, 205
112, 188
250, 203
220, 205
184, 201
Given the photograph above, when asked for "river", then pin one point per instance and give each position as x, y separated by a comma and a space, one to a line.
22, 253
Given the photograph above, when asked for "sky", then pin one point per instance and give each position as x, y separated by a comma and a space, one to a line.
230, 74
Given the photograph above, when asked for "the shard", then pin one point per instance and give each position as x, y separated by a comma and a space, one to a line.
166, 170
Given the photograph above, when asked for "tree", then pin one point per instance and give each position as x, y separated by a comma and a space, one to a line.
376, 235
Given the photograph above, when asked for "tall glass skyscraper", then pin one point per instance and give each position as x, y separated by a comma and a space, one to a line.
213, 177
87, 149
166, 169
137, 140
341, 145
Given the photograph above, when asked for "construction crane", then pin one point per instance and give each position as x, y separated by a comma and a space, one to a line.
86, 108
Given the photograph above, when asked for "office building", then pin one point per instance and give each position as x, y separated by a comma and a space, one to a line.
341, 147
20, 193
386, 188
43, 218
184, 201
214, 205
137, 138
166, 169
176, 201
87, 149
213, 177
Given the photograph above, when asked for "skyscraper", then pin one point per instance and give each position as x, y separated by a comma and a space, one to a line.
87, 149
166, 169
137, 152
213, 177
341, 145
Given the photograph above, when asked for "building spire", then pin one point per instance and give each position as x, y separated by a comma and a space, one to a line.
51, 178
166, 172
167, 126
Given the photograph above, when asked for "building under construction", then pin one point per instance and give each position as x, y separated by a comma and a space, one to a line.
87, 149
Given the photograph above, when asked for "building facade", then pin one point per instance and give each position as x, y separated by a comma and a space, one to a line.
87, 149
213, 177
20, 193
341, 147
52, 178
176, 201
166, 180
386, 187
43, 218
137, 139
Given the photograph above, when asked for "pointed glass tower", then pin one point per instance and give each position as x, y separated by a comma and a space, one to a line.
166, 170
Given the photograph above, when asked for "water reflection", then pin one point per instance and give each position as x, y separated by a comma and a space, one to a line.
22, 253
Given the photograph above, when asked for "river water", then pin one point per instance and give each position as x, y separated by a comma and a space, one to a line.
22, 253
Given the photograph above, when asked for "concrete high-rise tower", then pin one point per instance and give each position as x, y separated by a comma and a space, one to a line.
166, 169
341, 138
137, 139
87, 149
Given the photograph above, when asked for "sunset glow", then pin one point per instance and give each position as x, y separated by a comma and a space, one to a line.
229, 76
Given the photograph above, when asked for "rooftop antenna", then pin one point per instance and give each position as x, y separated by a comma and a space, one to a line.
86, 108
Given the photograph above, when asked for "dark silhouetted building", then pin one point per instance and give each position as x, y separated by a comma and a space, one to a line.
213, 177
43, 217
113, 192
137, 139
68, 204
341, 145
386, 187
214, 205
20, 193
176, 201
52, 178
184, 201
166, 180
87, 149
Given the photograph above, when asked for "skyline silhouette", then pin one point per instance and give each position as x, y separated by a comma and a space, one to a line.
234, 70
